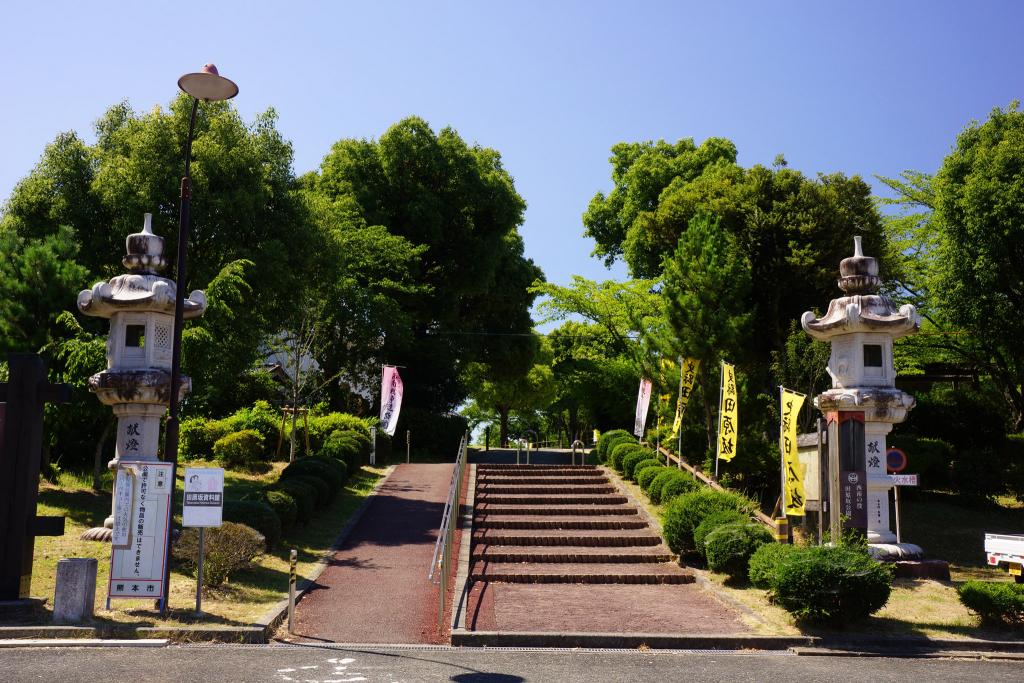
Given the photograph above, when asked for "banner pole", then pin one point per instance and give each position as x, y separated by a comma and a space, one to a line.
679, 431
721, 392
782, 458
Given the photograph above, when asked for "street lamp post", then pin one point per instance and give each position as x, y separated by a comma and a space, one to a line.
207, 85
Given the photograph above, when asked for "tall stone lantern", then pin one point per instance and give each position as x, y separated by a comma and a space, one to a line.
864, 403
137, 381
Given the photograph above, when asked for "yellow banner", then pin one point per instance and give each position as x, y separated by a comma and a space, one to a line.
728, 414
790, 409
687, 378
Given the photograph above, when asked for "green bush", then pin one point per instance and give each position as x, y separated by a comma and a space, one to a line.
712, 522
677, 486
605, 439
764, 563
302, 493
322, 426
242, 451
348, 447
685, 513
261, 418
620, 452
257, 514
281, 503
324, 491
634, 458
196, 437
833, 585
615, 442
228, 548
996, 603
332, 471
634, 471
729, 546
670, 474
645, 475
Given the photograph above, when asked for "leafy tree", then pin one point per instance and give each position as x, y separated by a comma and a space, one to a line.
457, 279
963, 237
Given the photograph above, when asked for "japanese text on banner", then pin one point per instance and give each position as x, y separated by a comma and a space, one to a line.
728, 414
687, 378
391, 390
792, 402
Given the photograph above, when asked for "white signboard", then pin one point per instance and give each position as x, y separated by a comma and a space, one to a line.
204, 497
137, 571
903, 479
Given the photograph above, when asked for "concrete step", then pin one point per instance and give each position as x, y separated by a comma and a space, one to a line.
556, 481
579, 538
648, 573
547, 555
604, 499
572, 489
545, 522
560, 510
537, 470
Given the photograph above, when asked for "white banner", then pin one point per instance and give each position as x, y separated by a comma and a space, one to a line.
643, 403
391, 389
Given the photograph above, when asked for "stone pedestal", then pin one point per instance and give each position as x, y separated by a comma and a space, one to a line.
74, 598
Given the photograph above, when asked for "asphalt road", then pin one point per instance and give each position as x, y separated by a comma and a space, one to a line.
318, 664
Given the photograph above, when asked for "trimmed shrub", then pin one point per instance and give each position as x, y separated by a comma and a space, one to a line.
302, 493
645, 475
712, 522
257, 514
197, 435
605, 439
322, 426
634, 458
348, 447
996, 603
261, 418
677, 486
685, 513
332, 471
615, 442
833, 585
729, 546
228, 548
670, 473
324, 491
764, 563
620, 452
241, 450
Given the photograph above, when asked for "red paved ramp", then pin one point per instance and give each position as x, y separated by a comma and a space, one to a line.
375, 589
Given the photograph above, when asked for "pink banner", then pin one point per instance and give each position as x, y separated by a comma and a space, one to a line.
643, 403
391, 389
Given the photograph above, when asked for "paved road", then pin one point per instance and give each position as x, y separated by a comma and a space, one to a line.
375, 589
318, 664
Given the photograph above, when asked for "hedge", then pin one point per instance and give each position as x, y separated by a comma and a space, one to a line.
645, 475
257, 514
729, 546
302, 493
764, 563
833, 585
712, 522
616, 441
241, 450
333, 471
685, 513
604, 439
634, 458
677, 486
620, 451
348, 447
670, 474
996, 603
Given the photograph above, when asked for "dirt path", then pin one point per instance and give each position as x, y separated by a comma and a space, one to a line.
375, 589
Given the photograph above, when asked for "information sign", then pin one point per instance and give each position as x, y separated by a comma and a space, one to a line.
204, 497
124, 487
137, 571
903, 479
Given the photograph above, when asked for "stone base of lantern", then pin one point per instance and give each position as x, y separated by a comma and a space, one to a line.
890, 552
103, 534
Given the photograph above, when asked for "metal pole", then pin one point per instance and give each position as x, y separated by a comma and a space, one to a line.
199, 573
293, 559
822, 503
519, 447
896, 499
679, 434
373, 445
408, 441
171, 430
721, 389
782, 464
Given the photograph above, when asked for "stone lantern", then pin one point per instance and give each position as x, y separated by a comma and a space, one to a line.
137, 381
864, 403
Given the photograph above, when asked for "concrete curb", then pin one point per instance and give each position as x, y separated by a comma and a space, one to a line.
460, 600
661, 641
272, 619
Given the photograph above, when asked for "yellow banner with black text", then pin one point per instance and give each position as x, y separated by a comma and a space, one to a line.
793, 481
728, 414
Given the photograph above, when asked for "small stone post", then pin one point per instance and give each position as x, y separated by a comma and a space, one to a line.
74, 598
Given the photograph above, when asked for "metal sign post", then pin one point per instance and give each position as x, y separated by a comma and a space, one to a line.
373, 445
408, 445
293, 559
203, 507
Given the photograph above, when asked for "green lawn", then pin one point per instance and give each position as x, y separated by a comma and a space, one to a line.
245, 597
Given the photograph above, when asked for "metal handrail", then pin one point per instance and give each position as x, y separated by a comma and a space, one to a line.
579, 443
445, 534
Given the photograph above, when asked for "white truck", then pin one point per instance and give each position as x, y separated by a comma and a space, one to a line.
1008, 551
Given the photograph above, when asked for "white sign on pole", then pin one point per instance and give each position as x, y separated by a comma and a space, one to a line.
204, 497
903, 479
137, 571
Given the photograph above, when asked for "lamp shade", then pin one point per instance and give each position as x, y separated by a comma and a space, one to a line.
207, 84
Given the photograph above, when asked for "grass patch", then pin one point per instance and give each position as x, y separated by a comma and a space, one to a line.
246, 596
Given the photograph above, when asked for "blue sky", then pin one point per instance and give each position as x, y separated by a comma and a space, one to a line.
864, 87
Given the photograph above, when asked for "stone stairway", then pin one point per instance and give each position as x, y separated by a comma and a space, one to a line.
536, 524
